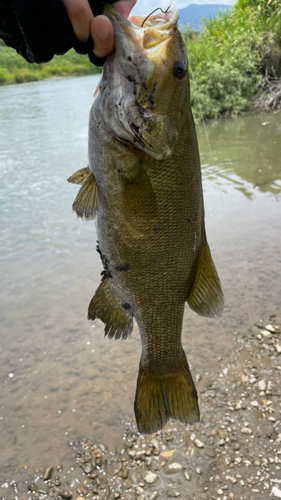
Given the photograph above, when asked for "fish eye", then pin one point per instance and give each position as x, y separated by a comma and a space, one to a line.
179, 70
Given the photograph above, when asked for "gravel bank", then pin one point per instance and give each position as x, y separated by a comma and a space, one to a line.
234, 453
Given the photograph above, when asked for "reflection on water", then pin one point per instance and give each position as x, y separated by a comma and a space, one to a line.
60, 379
246, 152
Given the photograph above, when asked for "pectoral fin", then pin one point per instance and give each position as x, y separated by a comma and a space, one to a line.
206, 296
86, 202
138, 194
80, 176
118, 323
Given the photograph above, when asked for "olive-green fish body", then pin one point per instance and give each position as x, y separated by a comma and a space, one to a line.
144, 188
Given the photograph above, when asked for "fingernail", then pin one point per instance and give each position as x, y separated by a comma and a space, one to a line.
102, 32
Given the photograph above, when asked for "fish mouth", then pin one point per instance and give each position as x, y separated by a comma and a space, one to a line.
162, 21
133, 71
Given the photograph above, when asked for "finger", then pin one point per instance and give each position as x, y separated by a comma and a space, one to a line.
103, 35
125, 6
80, 15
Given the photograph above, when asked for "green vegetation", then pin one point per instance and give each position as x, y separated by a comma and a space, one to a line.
14, 69
235, 63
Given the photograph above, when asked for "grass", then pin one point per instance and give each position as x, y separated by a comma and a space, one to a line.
236, 59
14, 69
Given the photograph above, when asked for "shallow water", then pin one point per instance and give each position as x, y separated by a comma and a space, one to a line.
60, 379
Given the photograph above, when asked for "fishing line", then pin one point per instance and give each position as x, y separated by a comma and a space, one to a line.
224, 211
158, 8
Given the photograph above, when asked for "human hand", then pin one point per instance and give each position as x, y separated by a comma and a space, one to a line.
100, 28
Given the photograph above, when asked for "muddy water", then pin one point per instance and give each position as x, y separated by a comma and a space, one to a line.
60, 380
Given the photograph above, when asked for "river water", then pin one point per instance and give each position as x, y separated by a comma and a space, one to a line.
60, 379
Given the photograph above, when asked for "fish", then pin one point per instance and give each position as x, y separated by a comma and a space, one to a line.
143, 188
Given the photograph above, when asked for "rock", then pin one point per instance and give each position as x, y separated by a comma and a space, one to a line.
221, 442
246, 430
254, 403
261, 385
139, 490
132, 453
276, 492
198, 443
187, 476
198, 470
174, 467
265, 333
153, 496
48, 473
150, 477
272, 328
66, 495
124, 473
278, 348
156, 449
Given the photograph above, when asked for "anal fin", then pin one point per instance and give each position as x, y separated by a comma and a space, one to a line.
206, 296
118, 323
86, 202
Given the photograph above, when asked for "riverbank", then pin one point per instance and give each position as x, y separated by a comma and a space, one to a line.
233, 453
14, 69
235, 62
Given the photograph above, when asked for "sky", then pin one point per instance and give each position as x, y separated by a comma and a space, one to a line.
146, 6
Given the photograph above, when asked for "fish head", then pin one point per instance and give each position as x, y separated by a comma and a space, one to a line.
144, 94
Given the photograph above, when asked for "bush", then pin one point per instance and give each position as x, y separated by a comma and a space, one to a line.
233, 57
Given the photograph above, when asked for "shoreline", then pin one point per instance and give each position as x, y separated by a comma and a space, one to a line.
233, 453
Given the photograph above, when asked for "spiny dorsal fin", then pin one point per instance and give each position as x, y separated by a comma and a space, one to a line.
206, 296
86, 202
138, 194
118, 323
80, 176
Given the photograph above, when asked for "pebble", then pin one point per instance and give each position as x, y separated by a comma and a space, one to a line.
278, 348
66, 495
246, 430
174, 467
265, 333
272, 328
254, 403
156, 449
221, 442
150, 477
198, 443
187, 476
48, 473
262, 385
153, 496
276, 492
198, 470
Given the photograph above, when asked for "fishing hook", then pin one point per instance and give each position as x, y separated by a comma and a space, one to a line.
158, 8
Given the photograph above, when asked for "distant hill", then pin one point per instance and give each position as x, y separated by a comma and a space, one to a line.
193, 13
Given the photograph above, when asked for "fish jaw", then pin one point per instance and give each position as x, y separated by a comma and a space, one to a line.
139, 98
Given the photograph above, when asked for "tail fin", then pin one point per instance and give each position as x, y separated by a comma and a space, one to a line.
159, 398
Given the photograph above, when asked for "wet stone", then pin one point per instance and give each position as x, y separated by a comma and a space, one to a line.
66, 495
198, 443
48, 473
150, 477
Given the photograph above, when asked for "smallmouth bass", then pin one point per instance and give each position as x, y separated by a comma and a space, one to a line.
143, 186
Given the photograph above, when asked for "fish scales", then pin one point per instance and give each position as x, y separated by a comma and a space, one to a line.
143, 186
